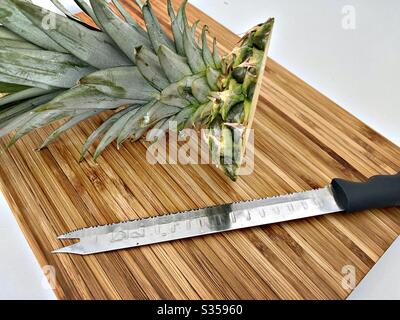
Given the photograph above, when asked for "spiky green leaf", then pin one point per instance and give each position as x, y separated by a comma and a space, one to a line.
149, 66
47, 67
93, 47
179, 93
27, 93
201, 113
174, 65
216, 57
84, 98
14, 19
124, 35
183, 117
159, 130
114, 131
9, 39
132, 122
23, 82
178, 37
7, 34
39, 120
213, 77
14, 123
177, 27
171, 11
64, 10
68, 125
17, 44
128, 18
201, 90
15, 111
193, 52
121, 82
157, 35
207, 55
146, 117
102, 129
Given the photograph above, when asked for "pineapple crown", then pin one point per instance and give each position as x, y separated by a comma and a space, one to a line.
55, 67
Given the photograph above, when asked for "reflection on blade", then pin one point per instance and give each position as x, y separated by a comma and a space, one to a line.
202, 222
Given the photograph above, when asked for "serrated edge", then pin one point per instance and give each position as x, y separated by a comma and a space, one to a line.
288, 195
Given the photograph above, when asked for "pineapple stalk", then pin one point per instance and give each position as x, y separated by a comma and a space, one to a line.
148, 79
234, 105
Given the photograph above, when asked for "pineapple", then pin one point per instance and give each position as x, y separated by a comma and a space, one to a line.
55, 67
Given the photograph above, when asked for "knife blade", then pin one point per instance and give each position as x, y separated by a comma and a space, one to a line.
341, 195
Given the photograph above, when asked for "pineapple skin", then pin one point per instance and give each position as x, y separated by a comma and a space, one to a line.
146, 78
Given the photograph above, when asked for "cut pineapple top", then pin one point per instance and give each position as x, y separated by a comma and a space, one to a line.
54, 67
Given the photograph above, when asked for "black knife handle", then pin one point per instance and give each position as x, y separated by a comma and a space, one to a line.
378, 192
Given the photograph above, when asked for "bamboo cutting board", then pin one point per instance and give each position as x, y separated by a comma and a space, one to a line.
303, 140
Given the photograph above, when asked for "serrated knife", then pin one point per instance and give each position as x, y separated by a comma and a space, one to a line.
340, 196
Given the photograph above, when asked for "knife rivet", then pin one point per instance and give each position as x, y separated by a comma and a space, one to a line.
248, 215
317, 202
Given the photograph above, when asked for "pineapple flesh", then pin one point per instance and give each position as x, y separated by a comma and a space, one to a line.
55, 67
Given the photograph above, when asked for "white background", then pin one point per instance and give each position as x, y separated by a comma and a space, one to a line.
357, 68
